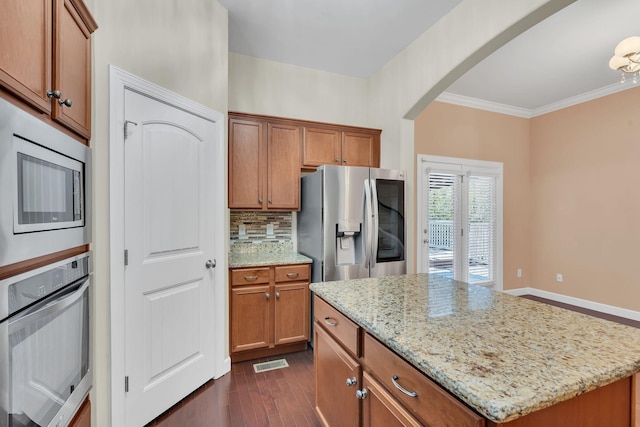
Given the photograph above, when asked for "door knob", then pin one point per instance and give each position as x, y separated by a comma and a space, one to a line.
210, 264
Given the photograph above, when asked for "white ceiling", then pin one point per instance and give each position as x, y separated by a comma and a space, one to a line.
561, 61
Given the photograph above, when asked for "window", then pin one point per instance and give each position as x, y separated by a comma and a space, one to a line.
460, 214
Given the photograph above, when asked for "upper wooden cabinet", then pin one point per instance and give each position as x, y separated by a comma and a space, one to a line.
45, 58
264, 164
340, 146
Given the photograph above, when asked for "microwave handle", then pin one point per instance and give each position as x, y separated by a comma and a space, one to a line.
49, 306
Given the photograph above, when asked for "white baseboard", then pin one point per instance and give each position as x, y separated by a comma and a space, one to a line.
603, 308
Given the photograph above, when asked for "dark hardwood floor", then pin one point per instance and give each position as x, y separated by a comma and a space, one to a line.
279, 398
242, 398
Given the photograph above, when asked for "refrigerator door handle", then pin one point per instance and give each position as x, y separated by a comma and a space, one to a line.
368, 223
375, 222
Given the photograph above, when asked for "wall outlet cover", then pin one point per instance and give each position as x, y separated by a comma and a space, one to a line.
269, 229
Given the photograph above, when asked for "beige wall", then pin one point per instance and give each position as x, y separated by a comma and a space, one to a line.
585, 204
181, 45
455, 131
260, 86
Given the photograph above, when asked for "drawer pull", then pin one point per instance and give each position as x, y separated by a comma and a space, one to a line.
362, 394
331, 322
293, 274
250, 278
394, 380
352, 381
267, 295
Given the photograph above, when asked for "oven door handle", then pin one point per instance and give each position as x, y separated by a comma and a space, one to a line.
47, 307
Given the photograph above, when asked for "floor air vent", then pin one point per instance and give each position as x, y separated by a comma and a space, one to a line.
270, 365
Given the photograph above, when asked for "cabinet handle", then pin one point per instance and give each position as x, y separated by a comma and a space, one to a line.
328, 321
267, 295
293, 274
66, 103
54, 94
362, 394
249, 278
270, 201
351, 381
260, 200
277, 294
394, 380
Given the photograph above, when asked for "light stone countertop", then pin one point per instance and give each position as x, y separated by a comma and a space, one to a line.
263, 259
503, 355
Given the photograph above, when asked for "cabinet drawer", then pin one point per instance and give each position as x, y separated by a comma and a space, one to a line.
292, 273
337, 324
435, 406
249, 276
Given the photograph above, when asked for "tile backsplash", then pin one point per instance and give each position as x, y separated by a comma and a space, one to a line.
256, 238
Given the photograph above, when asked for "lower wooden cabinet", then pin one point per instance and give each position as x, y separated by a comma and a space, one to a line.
82, 418
269, 310
380, 409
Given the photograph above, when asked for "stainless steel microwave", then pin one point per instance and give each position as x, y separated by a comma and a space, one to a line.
44, 188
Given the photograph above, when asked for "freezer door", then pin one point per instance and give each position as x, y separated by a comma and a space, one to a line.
388, 247
344, 226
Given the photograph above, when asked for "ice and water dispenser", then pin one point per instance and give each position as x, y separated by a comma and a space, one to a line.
349, 248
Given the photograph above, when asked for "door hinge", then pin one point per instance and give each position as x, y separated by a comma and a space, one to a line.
126, 257
127, 133
126, 384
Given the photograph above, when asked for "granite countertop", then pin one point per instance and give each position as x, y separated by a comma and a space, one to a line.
503, 355
261, 259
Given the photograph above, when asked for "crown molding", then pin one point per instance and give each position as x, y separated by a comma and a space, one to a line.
481, 104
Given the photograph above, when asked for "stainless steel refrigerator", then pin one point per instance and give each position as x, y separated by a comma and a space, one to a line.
352, 222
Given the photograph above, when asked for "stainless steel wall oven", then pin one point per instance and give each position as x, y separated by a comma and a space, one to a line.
45, 343
44, 188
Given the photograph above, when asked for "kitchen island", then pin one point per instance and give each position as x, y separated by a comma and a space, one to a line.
506, 358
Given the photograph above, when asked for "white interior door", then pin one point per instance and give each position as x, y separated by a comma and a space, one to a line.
169, 242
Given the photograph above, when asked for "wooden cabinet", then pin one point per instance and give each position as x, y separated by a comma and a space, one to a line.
269, 310
337, 375
389, 391
381, 409
264, 164
45, 58
82, 418
340, 146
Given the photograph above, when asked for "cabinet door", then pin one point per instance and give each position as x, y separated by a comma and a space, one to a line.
82, 418
291, 313
25, 67
360, 149
336, 402
250, 324
380, 409
245, 164
321, 147
283, 166
72, 69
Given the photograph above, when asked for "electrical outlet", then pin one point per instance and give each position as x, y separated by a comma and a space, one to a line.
559, 277
519, 272
269, 229
242, 230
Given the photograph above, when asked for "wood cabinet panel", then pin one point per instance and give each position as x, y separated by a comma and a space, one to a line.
283, 171
359, 149
380, 409
291, 319
250, 317
25, 67
72, 69
431, 403
246, 164
338, 325
82, 418
321, 146
336, 403
291, 273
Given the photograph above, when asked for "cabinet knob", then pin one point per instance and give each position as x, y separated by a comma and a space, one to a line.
66, 103
267, 295
352, 381
337, 160
260, 200
344, 160
270, 201
277, 294
362, 394
54, 94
